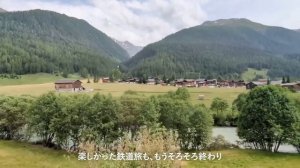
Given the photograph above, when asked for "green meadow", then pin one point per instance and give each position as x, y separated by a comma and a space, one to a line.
117, 89
23, 155
38, 78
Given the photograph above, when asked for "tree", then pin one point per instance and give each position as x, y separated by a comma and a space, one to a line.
201, 122
267, 118
13, 112
69, 124
283, 80
41, 115
102, 120
295, 139
180, 93
115, 75
130, 112
84, 73
165, 79
59, 123
240, 101
150, 113
175, 114
65, 74
268, 81
288, 79
219, 108
96, 79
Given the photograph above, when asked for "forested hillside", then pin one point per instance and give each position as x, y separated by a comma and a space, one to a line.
223, 48
43, 41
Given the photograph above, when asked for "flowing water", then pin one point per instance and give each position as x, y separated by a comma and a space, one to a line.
230, 135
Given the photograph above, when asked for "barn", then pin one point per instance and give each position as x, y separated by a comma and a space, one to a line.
292, 86
252, 85
68, 85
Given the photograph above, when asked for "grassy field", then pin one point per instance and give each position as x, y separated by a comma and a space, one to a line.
249, 159
38, 78
23, 155
117, 89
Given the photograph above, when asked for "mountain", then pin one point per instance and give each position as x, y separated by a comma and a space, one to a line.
44, 41
129, 47
223, 48
2, 10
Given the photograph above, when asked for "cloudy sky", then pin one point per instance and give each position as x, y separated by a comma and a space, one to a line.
145, 21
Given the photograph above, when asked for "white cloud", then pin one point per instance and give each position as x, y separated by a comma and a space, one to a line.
145, 21
284, 13
140, 22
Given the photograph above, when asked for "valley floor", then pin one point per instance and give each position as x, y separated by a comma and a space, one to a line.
117, 89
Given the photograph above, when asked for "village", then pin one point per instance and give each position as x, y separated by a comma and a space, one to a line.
76, 85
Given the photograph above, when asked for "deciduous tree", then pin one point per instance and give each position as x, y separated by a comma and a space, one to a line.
267, 118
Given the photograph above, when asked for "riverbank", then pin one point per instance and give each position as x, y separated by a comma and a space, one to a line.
231, 136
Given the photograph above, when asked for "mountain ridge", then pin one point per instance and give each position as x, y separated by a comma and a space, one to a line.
58, 42
221, 48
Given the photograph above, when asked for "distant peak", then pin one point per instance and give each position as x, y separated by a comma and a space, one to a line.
233, 21
2, 10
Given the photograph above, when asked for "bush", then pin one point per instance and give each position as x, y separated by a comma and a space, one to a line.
13, 112
130, 92
219, 143
147, 141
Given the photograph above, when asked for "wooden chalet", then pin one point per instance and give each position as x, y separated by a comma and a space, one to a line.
151, 81
190, 83
223, 83
185, 83
68, 85
200, 82
239, 83
254, 84
292, 86
132, 80
211, 82
277, 83
105, 80
179, 82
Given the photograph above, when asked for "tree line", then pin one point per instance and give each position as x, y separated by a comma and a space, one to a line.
66, 121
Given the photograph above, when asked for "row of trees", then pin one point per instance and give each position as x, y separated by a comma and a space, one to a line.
66, 121
266, 118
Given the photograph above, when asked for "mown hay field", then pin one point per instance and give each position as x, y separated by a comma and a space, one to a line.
117, 89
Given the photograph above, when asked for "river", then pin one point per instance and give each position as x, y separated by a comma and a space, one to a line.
230, 135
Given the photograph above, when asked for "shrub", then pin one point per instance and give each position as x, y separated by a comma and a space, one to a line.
219, 143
